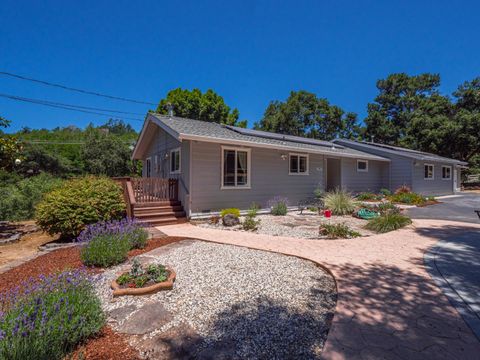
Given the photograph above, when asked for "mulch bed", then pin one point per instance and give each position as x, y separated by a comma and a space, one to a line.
108, 344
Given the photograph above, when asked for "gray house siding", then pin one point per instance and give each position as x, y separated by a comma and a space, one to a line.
437, 186
376, 178
269, 178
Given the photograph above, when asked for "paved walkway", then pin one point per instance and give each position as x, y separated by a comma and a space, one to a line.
388, 305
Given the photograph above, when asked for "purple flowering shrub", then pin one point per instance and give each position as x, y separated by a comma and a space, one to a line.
278, 205
46, 317
107, 243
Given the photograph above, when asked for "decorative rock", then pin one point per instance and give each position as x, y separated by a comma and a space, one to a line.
121, 313
150, 317
230, 220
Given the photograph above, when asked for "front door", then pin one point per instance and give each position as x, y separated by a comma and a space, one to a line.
334, 174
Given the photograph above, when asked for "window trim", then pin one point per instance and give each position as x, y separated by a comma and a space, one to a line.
433, 172
366, 163
450, 173
148, 160
249, 167
307, 172
179, 161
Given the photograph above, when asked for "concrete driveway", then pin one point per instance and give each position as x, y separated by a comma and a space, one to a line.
454, 262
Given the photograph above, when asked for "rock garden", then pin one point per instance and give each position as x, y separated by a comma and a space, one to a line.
332, 215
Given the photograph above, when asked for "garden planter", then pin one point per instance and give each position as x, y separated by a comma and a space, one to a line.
164, 285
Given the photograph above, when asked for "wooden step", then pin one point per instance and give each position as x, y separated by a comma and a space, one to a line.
158, 203
158, 209
164, 221
176, 214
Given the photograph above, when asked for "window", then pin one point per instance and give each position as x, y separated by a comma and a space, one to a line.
428, 172
446, 172
148, 167
362, 165
298, 164
175, 161
236, 168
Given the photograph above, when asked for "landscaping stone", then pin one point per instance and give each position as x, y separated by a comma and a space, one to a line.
122, 313
149, 317
230, 220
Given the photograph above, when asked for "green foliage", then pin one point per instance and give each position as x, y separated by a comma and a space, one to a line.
140, 275
47, 318
407, 198
124, 279
339, 202
10, 148
37, 159
18, 197
338, 231
303, 114
105, 250
387, 207
318, 193
194, 104
278, 206
79, 202
104, 154
368, 196
385, 192
231, 211
250, 224
388, 221
138, 238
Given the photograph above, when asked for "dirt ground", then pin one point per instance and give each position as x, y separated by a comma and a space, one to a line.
26, 248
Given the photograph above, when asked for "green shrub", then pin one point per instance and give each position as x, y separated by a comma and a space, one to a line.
140, 275
278, 206
18, 197
388, 222
385, 192
231, 211
339, 202
338, 231
48, 317
105, 250
407, 198
250, 224
368, 196
77, 203
387, 207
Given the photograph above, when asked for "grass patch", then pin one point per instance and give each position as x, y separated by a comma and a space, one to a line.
387, 222
338, 231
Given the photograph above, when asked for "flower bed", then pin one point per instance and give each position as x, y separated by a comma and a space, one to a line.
142, 280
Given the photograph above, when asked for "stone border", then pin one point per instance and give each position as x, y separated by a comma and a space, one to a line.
468, 315
164, 285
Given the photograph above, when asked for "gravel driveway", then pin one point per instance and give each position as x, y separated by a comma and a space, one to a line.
229, 301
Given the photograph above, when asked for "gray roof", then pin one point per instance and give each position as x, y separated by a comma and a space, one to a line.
389, 149
183, 128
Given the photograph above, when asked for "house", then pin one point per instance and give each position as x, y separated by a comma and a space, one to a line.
424, 173
220, 166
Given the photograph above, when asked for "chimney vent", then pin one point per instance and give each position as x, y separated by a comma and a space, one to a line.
170, 109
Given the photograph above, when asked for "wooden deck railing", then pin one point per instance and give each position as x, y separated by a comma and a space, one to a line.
147, 190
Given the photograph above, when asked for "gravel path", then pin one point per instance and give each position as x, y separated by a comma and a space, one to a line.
242, 303
294, 224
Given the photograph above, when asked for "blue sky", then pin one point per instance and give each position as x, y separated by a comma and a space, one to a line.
250, 52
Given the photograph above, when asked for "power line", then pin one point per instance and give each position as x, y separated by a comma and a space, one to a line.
75, 89
78, 108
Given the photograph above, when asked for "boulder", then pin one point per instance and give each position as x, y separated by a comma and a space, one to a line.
230, 220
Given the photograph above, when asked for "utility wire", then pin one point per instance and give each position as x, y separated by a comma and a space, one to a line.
71, 107
75, 89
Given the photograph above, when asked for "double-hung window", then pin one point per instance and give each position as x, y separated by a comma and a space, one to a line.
235, 168
446, 172
298, 164
175, 161
428, 172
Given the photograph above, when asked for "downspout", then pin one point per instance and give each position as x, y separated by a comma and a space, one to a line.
190, 162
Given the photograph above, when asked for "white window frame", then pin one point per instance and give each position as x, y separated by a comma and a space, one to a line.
363, 161
147, 161
307, 172
450, 173
433, 172
249, 167
179, 160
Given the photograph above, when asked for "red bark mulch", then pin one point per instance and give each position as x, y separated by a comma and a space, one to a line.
108, 345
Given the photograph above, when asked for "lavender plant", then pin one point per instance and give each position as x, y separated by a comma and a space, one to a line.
107, 243
45, 318
278, 205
